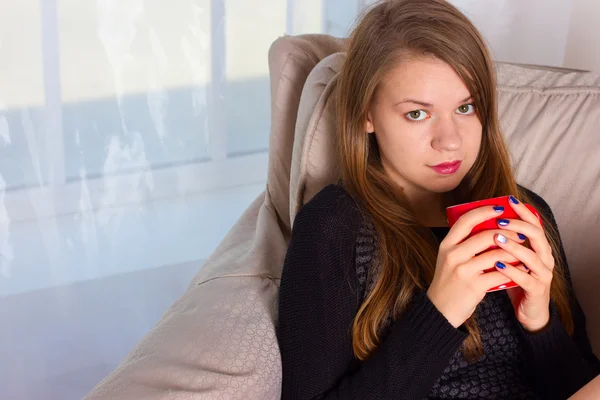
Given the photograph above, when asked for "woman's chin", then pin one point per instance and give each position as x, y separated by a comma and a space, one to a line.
443, 186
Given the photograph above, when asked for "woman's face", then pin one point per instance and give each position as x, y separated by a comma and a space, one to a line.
423, 116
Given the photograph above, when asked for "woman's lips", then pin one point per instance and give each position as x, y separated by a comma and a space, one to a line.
447, 168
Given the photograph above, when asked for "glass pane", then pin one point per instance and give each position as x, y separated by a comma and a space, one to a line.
22, 159
340, 15
251, 26
111, 197
134, 80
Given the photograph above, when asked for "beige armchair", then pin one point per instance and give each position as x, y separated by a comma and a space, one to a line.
218, 340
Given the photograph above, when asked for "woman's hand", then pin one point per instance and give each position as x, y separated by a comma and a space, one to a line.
460, 283
531, 300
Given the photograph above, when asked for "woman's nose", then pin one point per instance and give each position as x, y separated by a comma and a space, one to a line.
446, 135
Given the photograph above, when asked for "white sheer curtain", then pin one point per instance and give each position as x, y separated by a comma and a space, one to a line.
133, 133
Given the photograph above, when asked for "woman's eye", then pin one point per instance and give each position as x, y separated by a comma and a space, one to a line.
466, 109
417, 115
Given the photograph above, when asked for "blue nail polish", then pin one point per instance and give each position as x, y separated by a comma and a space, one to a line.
499, 209
500, 265
526, 267
503, 222
521, 236
501, 239
513, 200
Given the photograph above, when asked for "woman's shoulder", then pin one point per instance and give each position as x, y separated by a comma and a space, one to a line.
333, 195
332, 208
325, 234
536, 198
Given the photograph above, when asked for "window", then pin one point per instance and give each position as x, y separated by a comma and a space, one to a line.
133, 134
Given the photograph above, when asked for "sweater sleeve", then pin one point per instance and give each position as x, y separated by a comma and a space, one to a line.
317, 304
560, 364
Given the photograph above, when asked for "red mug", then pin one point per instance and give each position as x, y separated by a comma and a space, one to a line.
455, 212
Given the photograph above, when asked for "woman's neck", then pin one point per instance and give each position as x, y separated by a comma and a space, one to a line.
429, 208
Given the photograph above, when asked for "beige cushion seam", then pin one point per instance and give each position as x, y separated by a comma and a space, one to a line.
264, 276
587, 90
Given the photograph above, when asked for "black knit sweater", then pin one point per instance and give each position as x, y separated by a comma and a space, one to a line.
325, 278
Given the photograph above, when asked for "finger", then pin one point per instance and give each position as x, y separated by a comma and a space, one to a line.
489, 280
526, 256
537, 237
522, 268
522, 278
523, 212
465, 224
478, 264
480, 243
484, 240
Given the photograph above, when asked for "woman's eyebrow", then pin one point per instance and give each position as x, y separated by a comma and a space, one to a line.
421, 103
425, 104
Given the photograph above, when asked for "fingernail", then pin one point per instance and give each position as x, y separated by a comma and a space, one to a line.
503, 222
500, 265
501, 238
499, 209
513, 200
521, 236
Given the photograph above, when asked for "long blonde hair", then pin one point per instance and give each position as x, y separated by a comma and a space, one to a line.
387, 34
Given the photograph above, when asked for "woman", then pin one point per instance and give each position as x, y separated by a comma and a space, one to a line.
379, 299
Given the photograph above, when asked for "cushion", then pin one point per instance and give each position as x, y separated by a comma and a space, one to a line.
314, 163
291, 59
551, 122
218, 340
